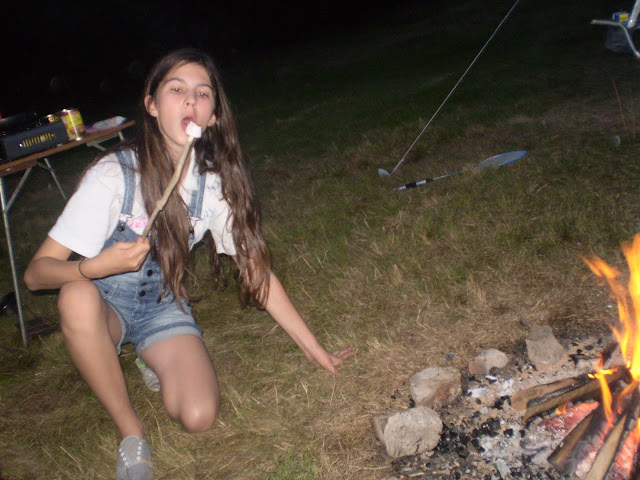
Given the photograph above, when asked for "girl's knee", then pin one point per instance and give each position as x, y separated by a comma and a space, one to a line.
78, 303
197, 415
197, 420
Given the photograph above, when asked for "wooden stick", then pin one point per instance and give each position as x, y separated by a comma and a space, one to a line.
194, 132
577, 393
620, 105
520, 400
607, 452
608, 353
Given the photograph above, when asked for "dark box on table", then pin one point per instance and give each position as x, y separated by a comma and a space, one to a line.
37, 139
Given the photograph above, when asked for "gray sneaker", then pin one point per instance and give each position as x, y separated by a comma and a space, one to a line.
134, 459
149, 377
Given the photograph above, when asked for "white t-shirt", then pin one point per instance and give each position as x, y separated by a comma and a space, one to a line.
93, 211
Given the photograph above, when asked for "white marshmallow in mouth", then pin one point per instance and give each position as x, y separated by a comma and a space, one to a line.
194, 130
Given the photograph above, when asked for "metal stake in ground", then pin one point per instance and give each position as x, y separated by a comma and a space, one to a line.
193, 131
384, 173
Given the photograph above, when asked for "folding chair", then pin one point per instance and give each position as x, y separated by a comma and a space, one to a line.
625, 24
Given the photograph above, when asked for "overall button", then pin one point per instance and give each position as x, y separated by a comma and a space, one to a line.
143, 293
149, 273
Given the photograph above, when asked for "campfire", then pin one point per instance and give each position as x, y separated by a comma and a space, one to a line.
599, 410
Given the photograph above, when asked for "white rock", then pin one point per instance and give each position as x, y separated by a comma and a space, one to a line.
542, 346
408, 432
485, 361
436, 386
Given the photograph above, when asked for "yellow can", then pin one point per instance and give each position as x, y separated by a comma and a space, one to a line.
73, 121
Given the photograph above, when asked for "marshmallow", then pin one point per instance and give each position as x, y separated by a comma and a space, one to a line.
194, 130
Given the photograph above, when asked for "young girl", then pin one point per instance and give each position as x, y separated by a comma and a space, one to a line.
129, 289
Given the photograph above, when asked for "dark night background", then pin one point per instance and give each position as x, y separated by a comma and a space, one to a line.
87, 55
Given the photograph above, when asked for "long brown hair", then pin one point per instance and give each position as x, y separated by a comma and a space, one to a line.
219, 151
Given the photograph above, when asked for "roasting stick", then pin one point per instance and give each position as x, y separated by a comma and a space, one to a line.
193, 131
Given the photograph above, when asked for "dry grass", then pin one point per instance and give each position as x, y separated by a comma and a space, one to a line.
425, 277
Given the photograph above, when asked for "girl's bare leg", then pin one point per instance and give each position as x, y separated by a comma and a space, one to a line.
188, 380
91, 329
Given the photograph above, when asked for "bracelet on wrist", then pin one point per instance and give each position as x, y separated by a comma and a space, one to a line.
80, 269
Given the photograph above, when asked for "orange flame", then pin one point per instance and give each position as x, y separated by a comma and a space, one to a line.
628, 300
562, 409
606, 393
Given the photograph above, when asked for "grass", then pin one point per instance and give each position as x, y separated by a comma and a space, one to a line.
420, 278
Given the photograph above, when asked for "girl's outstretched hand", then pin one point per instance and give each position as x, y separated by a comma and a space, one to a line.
279, 306
330, 361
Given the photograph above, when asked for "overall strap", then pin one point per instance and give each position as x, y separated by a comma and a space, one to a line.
197, 197
125, 158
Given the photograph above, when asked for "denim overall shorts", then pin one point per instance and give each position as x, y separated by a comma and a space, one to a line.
145, 318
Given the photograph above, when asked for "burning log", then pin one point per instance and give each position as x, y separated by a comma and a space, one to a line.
520, 400
567, 456
606, 456
562, 392
602, 433
595, 433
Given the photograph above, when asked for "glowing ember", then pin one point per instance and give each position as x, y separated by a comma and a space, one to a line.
626, 456
563, 423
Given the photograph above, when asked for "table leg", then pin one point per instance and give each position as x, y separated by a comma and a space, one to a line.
53, 174
17, 190
12, 260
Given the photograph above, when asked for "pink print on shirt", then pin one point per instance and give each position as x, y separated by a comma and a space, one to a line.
137, 223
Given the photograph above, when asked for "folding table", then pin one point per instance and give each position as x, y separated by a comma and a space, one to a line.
25, 164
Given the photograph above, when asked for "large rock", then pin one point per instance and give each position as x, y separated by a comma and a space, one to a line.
485, 361
408, 432
434, 387
542, 346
